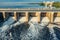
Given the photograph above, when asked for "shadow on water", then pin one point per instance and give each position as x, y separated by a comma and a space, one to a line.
1, 19
57, 32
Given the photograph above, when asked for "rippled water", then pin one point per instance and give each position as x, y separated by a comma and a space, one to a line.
26, 0
21, 6
13, 4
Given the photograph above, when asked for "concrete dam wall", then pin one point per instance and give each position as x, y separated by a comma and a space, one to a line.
36, 15
53, 17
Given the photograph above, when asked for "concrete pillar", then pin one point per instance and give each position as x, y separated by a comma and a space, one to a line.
15, 16
48, 15
38, 16
26, 16
4, 15
52, 17
58, 14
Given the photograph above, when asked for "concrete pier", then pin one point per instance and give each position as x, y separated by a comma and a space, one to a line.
5, 15
52, 17
38, 16
15, 16
27, 17
48, 15
58, 14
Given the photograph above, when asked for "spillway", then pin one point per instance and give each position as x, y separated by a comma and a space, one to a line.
29, 24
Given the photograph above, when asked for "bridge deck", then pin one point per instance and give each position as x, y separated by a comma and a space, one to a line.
29, 9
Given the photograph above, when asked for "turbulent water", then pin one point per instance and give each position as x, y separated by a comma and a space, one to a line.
31, 31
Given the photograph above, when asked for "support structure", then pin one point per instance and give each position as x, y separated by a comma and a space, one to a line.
58, 14
4, 15
15, 16
38, 16
27, 16
52, 17
48, 15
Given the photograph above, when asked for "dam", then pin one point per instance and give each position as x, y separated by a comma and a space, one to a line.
53, 15
39, 24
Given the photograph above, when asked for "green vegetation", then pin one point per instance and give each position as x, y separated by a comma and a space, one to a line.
56, 4
41, 4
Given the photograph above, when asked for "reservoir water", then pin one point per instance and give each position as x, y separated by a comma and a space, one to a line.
13, 4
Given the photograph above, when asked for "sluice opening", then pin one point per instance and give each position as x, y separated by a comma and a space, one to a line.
44, 17
20, 14
32, 16
56, 17
10, 14
1, 17
43, 14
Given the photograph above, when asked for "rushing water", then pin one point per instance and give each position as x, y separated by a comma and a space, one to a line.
34, 31
51, 30
30, 31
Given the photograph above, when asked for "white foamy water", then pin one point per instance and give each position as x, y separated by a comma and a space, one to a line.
32, 33
57, 19
9, 21
33, 19
45, 19
51, 30
5, 27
